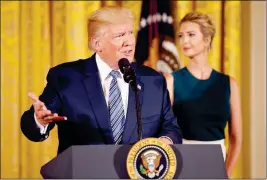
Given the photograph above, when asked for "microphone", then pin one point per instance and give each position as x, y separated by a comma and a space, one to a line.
124, 64
128, 72
129, 76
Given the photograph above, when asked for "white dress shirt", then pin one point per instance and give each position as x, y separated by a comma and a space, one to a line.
105, 79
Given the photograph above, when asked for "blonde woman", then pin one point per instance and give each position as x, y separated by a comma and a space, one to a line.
203, 99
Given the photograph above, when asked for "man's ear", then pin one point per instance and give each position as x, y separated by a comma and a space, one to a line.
95, 43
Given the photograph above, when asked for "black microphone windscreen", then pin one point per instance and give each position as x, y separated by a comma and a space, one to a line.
123, 62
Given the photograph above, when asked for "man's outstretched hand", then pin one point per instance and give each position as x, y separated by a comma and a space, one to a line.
44, 115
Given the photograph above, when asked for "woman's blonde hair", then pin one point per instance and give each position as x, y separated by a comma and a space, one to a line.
105, 16
204, 21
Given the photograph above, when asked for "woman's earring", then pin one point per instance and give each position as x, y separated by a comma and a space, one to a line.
209, 48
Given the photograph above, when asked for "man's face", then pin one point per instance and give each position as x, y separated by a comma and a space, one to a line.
117, 42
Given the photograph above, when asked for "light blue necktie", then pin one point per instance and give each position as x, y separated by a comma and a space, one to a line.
116, 111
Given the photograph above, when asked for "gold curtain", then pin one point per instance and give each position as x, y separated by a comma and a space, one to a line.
37, 35
232, 62
10, 133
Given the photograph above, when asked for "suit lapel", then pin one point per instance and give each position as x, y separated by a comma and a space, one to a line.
131, 118
97, 99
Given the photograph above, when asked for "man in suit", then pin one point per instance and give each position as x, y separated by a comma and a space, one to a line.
89, 100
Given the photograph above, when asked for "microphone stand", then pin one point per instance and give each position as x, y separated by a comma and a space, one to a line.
129, 76
138, 111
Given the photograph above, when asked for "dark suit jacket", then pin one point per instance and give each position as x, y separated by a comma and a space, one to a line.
74, 90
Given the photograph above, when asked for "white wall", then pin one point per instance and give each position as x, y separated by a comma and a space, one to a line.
258, 89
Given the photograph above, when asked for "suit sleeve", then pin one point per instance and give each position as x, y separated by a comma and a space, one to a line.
169, 126
51, 99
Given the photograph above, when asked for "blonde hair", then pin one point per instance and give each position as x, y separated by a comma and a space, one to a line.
105, 16
204, 21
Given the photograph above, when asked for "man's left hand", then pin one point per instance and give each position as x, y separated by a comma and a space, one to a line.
165, 140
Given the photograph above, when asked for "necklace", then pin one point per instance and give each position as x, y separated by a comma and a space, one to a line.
203, 71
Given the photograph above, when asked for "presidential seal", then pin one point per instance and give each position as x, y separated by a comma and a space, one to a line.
151, 158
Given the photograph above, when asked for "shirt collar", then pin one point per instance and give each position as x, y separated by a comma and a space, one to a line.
103, 68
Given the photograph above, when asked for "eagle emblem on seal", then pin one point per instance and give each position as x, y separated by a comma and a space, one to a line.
151, 163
